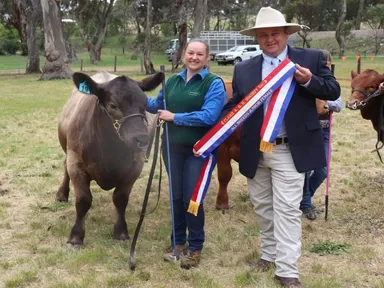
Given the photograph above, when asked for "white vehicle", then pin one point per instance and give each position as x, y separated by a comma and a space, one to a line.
238, 54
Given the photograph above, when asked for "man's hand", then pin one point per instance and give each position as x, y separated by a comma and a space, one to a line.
166, 115
302, 75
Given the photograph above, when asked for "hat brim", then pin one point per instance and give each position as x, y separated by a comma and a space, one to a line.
291, 28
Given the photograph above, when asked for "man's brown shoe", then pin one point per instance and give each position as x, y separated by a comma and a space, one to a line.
192, 259
180, 251
261, 265
287, 282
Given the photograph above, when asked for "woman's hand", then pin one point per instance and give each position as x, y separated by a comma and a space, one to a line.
381, 87
166, 115
195, 152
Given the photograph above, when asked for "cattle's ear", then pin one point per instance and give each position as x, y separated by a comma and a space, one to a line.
353, 74
151, 82
85, 84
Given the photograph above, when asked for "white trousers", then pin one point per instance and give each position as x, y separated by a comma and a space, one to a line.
276, 192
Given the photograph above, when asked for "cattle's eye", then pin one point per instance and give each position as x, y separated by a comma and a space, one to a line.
113, 106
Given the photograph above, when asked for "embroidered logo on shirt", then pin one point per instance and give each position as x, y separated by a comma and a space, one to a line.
194, 93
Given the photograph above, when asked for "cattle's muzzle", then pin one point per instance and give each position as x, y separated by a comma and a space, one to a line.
356, 105
368, 96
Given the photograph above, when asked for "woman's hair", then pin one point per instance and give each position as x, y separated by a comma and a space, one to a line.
197, 40
327, 55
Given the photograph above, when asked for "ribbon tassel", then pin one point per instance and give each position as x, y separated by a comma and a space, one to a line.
266, 147
193, 207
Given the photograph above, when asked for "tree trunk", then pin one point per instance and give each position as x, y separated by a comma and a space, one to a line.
33, 64
217, 26
56, 60
28, 15
182, 28
339, 38
304, 36
147, 41
198, 20
359, 14
207, 18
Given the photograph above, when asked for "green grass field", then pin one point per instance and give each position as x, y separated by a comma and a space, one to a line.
346, 251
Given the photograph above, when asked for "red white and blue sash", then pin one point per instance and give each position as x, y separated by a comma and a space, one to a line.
280, 80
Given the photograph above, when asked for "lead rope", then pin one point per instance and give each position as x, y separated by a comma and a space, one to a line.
379, 131
132, 264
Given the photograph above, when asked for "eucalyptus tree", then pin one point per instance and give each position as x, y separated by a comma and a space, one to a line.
149, 69
92, 17
338, 33
56, 59
374, 16
27, 18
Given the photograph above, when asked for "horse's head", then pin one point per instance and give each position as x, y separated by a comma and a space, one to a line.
363, 85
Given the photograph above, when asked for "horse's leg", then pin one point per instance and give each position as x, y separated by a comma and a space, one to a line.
63, 192
120, 200
83, 198
224, 172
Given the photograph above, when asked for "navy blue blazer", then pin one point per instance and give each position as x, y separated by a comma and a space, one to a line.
301, 120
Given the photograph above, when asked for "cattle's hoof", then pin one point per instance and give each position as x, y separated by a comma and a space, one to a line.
61, 197
222, 207
74, 245
121, 236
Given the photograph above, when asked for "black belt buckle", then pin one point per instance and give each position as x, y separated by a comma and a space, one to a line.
283, 140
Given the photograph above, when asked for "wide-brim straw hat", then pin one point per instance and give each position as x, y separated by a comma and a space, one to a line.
269, 17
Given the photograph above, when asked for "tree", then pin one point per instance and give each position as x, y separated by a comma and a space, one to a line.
182, 29
198, 20
92, 17
147, 43
27, 17
374, 16
56, 60
339, 38
359, 14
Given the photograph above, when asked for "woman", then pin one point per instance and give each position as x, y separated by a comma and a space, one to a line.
194, 99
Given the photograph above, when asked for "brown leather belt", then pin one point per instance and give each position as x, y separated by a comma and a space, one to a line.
279, 141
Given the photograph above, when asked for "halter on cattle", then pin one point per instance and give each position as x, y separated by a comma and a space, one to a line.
366, 100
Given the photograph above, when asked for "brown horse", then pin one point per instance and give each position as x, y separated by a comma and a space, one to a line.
366, 97
230, 149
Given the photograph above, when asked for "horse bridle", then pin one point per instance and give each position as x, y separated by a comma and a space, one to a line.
117, 123
368, 97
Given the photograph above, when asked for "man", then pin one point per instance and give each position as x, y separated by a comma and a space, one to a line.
276, 179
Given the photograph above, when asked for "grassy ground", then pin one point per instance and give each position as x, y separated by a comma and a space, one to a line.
345, 251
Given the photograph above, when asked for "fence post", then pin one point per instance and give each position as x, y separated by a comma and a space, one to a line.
358, 64
81, 65
18, 66
333, 69
114, 69
141, 63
